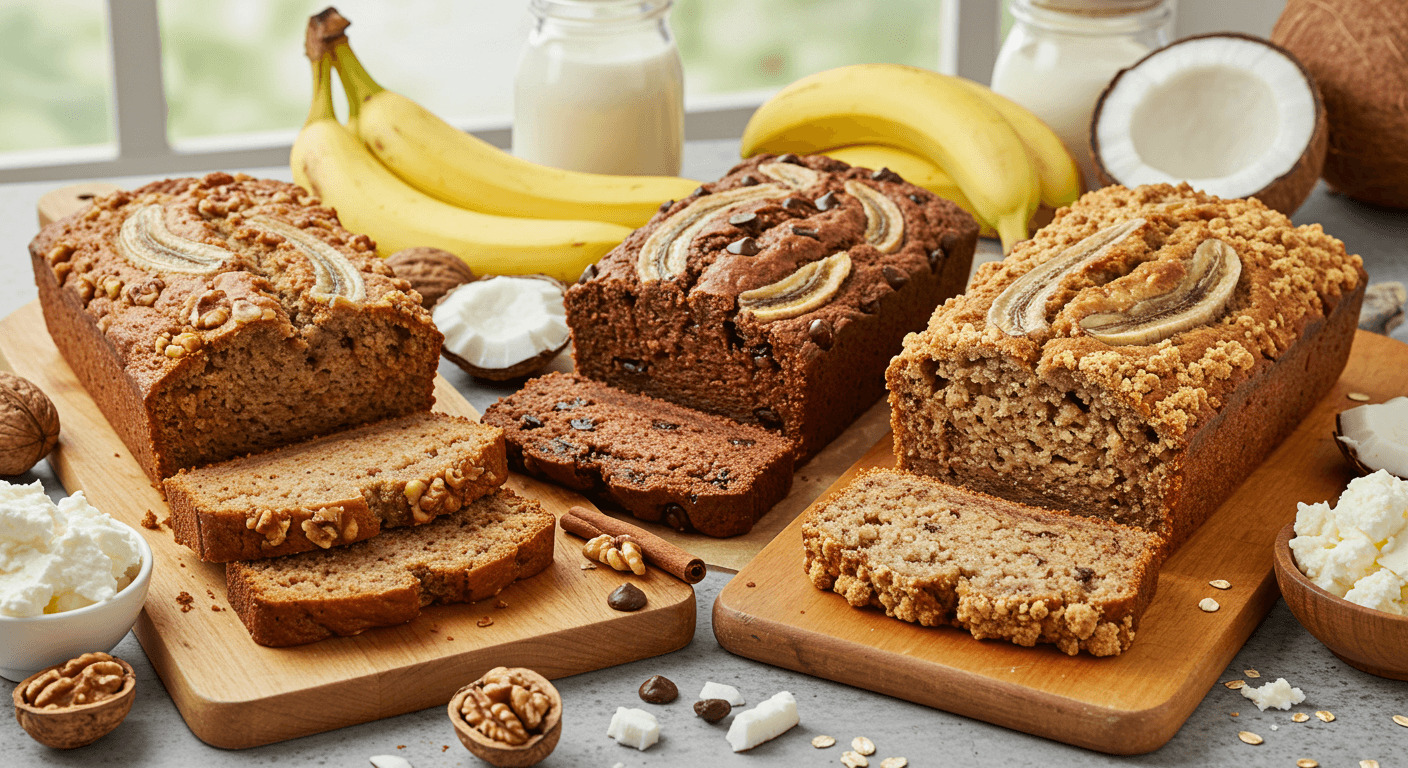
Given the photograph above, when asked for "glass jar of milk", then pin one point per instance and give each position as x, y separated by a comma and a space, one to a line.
1060, 55
600, 88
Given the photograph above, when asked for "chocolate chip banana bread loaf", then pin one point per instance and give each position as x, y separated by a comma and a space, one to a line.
213, 317
657, 460
933, 554
774, 296
1135, 360
336, 489
466, 556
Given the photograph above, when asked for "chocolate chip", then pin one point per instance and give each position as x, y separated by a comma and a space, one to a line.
658, 689
931, 528
587, 274
746, 246
583, 424
630, 366
567, 406
626, 597
749, 180
675, 517
792, 203
699, 192
665, 425
768, 418
762, 356
806, 232
529, 421
721, 480
948, 241
743, 219
820, 332
936, 257
916, 199
665, 206
826, 202
741, 441
788, 158
894, 276
712, 710
869, 305
1084, 575
885, 174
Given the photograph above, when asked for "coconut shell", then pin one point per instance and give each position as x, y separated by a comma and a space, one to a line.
1286, 192
1358, 52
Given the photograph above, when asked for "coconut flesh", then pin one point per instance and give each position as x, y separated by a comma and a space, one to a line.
503, 327
1375, 436
1231, 115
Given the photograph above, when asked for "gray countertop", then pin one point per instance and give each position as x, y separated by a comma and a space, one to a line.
155, 735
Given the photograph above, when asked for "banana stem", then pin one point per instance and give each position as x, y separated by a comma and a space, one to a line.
321, 108
358, 83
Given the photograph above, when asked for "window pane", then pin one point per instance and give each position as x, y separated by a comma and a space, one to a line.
58, 75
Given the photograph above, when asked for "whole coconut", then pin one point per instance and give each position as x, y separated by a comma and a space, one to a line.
1357, 50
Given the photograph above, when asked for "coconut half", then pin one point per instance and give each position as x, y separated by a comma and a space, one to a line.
503, 328
1232, 115
1375, 436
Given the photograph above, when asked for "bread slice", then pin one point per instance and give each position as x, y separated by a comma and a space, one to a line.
334, 490
468, 555
936, 554
657, 460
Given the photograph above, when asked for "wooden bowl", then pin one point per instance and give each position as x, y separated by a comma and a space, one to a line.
502, 755
1368, 640
80, 725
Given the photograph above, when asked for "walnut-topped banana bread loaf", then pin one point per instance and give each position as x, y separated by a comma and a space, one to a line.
213, 317
934, 554
774, 296
336, 489
1136, 359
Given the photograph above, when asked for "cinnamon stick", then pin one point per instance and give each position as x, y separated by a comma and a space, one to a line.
588, 523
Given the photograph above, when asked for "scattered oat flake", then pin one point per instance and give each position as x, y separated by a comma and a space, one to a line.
823, 741
484, 622
1358, 397
1235, 684
1251, 673
894, 762
1250, 738
1300, 717
863, 745
1368, 764
854, 760
1220, 584
1306, 762
588, 567
1401, 720
1325, 715
1208, 605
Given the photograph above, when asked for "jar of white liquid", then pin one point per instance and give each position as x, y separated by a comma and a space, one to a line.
1060, 55
600, 88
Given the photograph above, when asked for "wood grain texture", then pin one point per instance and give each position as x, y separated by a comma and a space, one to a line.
1127, 704
235, 694
1368, 640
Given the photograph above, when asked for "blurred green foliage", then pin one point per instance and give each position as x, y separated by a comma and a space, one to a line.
57, 74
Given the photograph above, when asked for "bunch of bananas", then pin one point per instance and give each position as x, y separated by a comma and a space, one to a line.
406, 178
950, 135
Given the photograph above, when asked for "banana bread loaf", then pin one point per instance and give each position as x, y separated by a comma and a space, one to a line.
774, 296
213, 317
657, 460
336, 489
1136, 359
933, 554
462, 557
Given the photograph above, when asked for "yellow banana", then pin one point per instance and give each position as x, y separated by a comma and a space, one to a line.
1056, 170
909, 108
451, 165
334, 165
915, 170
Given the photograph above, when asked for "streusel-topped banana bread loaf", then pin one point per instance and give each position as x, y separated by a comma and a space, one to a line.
774, 296
1135, 360
213, 317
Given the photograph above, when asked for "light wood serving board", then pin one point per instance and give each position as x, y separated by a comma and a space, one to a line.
1128, 704
235, 694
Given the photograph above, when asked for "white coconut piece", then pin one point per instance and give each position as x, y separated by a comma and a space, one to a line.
499, 324
764, 722
1232, 115
1377, 435
713, 690
634, 728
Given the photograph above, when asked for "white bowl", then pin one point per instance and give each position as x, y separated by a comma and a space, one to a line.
29, 644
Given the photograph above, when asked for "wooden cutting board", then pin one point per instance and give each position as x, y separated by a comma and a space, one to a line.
1127, 704
234, 694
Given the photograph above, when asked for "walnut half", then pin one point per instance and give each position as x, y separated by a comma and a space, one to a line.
507, 714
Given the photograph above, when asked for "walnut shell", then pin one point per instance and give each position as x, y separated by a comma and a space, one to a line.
541, 743
431, 272
29, 425
76, 725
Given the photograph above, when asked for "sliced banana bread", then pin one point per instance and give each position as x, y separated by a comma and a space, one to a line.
461, 557
659, 461
934, 554
337, 489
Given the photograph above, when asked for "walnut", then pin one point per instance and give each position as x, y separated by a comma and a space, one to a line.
431, 272
328, 525
507, 705
29, 425
210, 310
76, 703
87, 679
272, 525
619, 552
146, 293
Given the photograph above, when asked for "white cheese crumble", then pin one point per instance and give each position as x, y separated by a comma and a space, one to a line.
1358, 549
1278, 694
